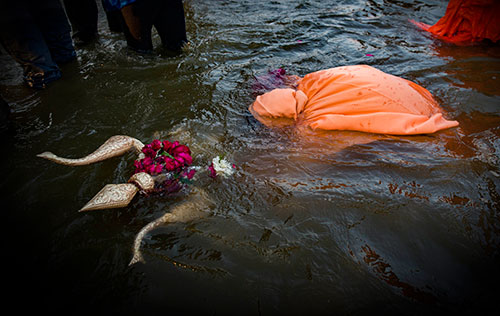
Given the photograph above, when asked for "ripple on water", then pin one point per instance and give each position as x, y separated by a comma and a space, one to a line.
316, 222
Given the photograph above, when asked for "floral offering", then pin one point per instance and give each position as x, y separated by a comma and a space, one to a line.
165, 156
163, 167
221, 166
171, 159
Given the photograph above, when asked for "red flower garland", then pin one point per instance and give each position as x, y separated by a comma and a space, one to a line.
167, 157
164, 156
174, 159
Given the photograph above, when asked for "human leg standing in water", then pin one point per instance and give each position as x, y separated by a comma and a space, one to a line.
166, 16
171, 25
37, 35
82, 15
114, 18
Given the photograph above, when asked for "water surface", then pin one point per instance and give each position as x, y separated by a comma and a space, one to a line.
316, 223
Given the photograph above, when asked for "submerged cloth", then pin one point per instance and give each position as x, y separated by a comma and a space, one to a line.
467, 21
356, 98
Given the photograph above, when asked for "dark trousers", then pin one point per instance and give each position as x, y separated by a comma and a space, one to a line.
37, 35
167, 16
82, 15
115, 20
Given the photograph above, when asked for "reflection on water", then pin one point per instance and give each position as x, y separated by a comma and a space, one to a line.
313, 222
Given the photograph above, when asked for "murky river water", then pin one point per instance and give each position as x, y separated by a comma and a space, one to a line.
319, 223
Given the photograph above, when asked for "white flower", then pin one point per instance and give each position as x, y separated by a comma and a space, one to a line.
222, 166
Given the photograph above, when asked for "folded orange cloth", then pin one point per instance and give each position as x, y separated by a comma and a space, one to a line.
467, 21
357, 98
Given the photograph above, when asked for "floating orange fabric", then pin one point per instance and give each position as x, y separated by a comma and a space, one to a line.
356, 98
467, 21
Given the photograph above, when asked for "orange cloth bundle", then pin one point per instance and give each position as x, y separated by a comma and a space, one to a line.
467, 21
356, 98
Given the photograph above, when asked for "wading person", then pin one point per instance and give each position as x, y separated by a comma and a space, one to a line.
83, 17
140, 16
37, 35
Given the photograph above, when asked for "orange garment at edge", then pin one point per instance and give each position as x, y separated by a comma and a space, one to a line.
467, 21
356, 98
